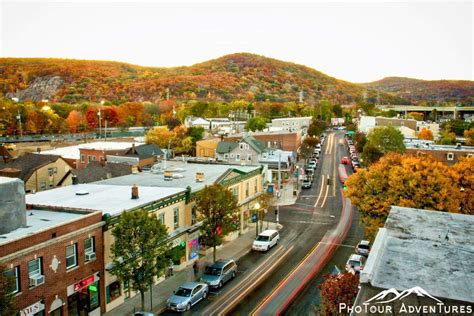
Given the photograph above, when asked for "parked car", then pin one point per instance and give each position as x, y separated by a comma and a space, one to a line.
143, 314
266, 240
345, 160
187, 295
363, 248
312, 165
355, 263
318, 145
307, 183
219, 273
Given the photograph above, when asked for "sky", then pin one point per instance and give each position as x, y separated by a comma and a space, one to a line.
352, 40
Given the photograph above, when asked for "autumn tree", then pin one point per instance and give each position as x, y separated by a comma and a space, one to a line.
370, 154
360, 139
416, 116
386, 139
7, 298
139, 250
160, 136
464, 177
425, 134
317, 127
76, 121
217, 209
336, 290
410, 181
256, 124
469, 135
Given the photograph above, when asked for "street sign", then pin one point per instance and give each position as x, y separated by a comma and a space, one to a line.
254, 217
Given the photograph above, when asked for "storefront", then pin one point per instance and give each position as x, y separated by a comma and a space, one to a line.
83, 297
193, 245
178, 251
36, 309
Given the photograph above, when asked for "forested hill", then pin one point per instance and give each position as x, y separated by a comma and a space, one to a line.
425, 91
237, 76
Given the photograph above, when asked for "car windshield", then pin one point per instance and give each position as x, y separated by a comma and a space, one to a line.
183, 292
262, 238
353, 263
363, 247
213, 271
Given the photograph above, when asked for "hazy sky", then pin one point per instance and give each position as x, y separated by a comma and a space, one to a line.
355, 41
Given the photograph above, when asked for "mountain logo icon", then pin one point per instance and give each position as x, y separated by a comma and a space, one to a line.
382, 297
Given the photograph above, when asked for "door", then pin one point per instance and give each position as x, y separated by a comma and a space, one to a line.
195, 296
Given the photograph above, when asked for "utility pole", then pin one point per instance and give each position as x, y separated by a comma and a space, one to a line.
99, 114
279, 190
105, 137
19, 123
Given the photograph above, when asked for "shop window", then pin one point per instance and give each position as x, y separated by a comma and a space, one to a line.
193, 215
113, 291
84, 301
71, 256
14, 274
193, 246
176, 217
35, 272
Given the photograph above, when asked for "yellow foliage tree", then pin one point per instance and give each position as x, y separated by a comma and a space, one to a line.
469, 135
425, 134
160, 136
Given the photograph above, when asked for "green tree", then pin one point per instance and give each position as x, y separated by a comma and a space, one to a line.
217, 209
256, 124
139, 250
360, 139
196, 133
457, 126
370, 154
337, 110
325, 110
386, 139
7, 303
447, 138
317, 127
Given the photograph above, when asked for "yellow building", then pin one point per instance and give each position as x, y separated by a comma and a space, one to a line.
206, 148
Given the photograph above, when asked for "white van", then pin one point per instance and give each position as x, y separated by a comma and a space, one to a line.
266, 240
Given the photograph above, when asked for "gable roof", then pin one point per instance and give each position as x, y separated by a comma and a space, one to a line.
28, 163
96, 172
226, 147
145, 151
257, 145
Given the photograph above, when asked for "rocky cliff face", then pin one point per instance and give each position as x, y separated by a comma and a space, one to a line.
41, 88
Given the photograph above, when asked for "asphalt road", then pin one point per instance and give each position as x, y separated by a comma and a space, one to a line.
304, 224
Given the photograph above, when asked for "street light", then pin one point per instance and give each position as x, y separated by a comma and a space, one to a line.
256, 207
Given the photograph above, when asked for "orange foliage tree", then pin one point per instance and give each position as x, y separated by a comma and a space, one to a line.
469, 135
76, 121
336, 290
410, 181
425, 134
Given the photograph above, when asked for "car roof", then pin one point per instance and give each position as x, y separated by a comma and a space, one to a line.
221, 263
267, 232
355, 257
190, 285
364, 242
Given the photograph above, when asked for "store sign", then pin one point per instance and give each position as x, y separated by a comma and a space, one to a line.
82, 284
32, 309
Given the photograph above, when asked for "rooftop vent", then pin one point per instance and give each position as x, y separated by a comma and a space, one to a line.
134, 192
82, 192
199, 176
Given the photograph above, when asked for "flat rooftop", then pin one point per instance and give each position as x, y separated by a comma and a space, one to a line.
188, 170
39, 220
7, 180
112, 199
439, 147
72, 152
430, 249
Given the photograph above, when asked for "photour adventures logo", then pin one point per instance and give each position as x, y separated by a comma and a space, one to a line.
380, 303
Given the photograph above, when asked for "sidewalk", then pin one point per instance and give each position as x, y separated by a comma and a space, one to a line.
234, 250
287, 197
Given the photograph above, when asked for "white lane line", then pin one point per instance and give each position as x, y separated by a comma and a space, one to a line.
320, 191
325, 195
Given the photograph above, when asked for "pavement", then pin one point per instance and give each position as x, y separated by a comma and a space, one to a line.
161, 292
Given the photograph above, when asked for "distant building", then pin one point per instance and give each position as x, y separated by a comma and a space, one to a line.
433, 127
96, 171
38, 172
284, 140
192, 121
292, 124
449, 154
425, 255
207, 148
407, 127
247, 151
54, 257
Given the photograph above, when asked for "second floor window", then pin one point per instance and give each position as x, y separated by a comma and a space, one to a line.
71, 256
35, 271
161, 218
176, 217
83, 158
14, 274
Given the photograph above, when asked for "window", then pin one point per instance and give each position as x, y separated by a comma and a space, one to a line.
237, 157
89, 158
112, 291
71, 256
226, 156
193, 215
89, 247
247, 189
52, 171
256, 185
126, 289
94, 158
231, 155
450, 156
249, 157
83, 158
235, 192
242, 146
161, 218
176, 217
35, 270
14, 274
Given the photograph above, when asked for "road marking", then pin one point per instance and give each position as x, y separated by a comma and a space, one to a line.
320, 191
236, 300
325, 195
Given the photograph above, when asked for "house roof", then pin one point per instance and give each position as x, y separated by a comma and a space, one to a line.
145, 151
96, 171
28, 163
257, 145
72, 152
226, 147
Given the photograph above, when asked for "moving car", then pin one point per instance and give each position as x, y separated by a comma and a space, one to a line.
266, 240
363, 248
345, 160
355, 263
187, 295
219, 273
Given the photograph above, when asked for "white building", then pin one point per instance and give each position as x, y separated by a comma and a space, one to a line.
291, 123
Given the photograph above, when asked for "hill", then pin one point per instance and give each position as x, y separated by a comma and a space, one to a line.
236, 76
431, 92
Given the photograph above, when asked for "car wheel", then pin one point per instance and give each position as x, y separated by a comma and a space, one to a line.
188, 307
204, 295
233, 274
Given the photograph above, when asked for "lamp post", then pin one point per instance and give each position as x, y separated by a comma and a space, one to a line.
256, 207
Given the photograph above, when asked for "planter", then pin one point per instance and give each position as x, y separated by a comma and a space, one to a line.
232, 236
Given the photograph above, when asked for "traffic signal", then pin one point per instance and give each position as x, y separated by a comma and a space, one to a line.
344, 187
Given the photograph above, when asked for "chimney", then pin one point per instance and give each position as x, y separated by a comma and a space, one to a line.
75, 180
134, 192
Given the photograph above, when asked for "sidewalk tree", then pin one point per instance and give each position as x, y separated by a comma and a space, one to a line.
217, 209
469, 135
409, 181
256, 124
370, 154
317, 127
338, 289
139, 250
425, 134
7, 304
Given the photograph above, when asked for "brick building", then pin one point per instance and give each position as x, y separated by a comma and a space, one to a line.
284, 140
54, 257
448, 154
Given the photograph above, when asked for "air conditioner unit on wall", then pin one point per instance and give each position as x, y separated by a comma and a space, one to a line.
36, 280
90, 256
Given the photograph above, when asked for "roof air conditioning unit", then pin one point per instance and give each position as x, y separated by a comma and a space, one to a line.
36, 280
90, 256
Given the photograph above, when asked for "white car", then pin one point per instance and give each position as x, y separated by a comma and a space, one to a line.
266, 240
363, 248
355, 264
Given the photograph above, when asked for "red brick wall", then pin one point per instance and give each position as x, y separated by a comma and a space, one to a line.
287, 141
56, 283
98, 154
